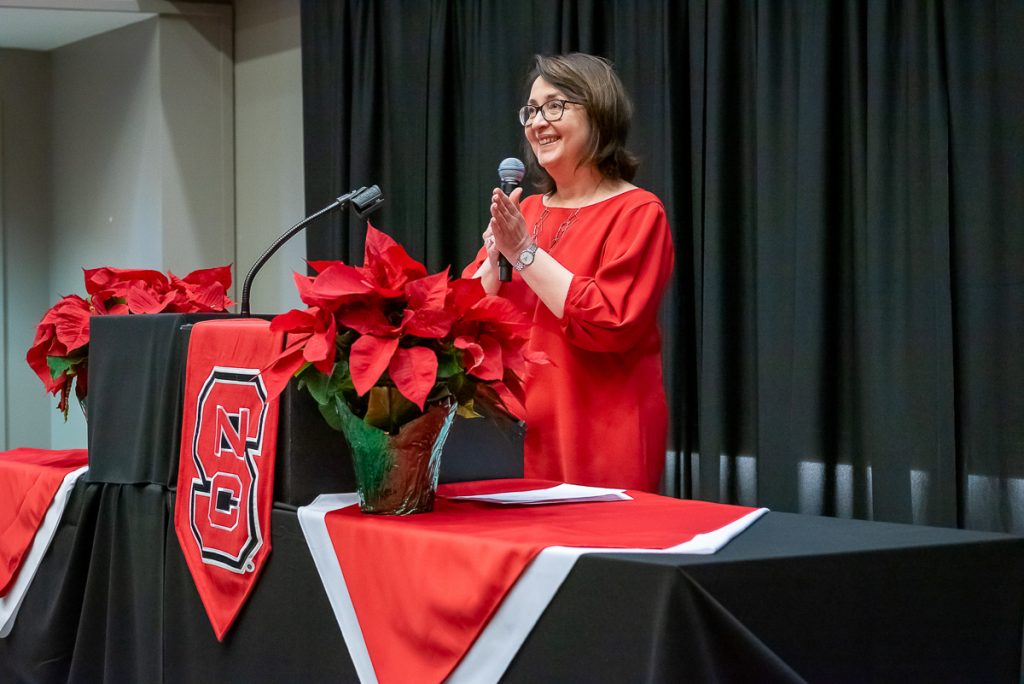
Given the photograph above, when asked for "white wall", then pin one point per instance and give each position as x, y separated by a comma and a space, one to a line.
106, 166
176, 144
24, 231
197, 159
142, 164
269, 189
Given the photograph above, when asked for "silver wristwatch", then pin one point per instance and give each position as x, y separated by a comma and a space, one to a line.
526, 257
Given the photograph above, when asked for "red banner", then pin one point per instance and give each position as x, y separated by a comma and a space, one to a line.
416, 595
226, 463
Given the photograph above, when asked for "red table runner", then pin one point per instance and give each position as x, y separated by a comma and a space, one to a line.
34, 486
423, 597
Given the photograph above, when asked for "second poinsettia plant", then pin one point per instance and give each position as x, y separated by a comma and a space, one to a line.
60, 352
386, 340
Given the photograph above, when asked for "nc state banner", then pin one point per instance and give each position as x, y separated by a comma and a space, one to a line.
226, 462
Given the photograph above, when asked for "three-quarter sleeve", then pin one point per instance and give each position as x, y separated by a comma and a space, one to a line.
616, 307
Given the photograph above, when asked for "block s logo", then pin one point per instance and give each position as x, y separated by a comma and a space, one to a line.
230, 414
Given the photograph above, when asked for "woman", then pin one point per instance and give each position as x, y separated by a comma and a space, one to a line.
592, 256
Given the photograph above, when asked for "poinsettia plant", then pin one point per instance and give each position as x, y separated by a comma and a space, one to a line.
386, 340
59, 355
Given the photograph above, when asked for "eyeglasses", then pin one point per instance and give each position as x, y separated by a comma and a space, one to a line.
552, 110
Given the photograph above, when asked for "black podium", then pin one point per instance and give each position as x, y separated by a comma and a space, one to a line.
137, 366
793, 598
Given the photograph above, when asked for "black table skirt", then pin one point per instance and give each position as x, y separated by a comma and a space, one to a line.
794, 598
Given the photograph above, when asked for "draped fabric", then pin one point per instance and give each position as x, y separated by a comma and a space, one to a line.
845, 185
470, 580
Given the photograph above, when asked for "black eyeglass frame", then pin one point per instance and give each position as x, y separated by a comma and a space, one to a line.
526, 117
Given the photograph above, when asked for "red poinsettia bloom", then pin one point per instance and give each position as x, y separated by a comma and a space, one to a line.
311, 338
202, 290
336, 284
63, 330
389, 264
413, 369
493, 335
143, 291
405, 321
59, 354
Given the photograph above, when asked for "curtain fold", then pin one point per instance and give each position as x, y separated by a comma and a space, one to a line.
984, 57
845, 184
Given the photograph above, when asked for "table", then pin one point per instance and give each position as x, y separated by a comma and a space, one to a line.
794, 598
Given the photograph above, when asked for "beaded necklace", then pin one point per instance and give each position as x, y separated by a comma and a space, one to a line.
538, 227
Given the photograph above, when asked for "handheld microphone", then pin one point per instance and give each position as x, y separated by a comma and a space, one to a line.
510, 173
363, 200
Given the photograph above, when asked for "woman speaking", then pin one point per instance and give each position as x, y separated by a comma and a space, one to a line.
592, 255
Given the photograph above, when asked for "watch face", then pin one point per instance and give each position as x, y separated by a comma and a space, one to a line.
526, 257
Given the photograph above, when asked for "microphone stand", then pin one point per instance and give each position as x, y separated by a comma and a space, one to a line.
364, 201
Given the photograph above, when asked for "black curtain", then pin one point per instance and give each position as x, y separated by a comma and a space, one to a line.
845, 183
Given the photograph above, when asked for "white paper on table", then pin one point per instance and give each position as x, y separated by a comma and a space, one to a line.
563, 493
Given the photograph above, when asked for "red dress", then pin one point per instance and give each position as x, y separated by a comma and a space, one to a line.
597, 414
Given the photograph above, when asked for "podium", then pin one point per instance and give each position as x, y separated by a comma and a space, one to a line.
794, 598
137, 369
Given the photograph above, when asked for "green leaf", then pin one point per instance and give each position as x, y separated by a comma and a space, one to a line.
467, 411
462, 388
448, 364
378, 410
60, 364
344, 340
387, 409
402, 410
439, 392
300, 375
317, 383
341, 378
331, 415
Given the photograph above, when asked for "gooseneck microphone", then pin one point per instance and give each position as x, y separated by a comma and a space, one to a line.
510, 173
364, 201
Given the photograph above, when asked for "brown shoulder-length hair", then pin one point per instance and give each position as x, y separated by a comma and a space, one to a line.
592, 82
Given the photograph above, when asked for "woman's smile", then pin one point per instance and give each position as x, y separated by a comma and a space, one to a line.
558, 145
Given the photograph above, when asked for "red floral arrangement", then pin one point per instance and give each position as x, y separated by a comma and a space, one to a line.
60, 353
386, 340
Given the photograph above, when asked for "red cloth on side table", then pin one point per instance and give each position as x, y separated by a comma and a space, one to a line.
29, 478
35, 485
423, 587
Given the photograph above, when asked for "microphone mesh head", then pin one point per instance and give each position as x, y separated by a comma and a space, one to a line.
511, 170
